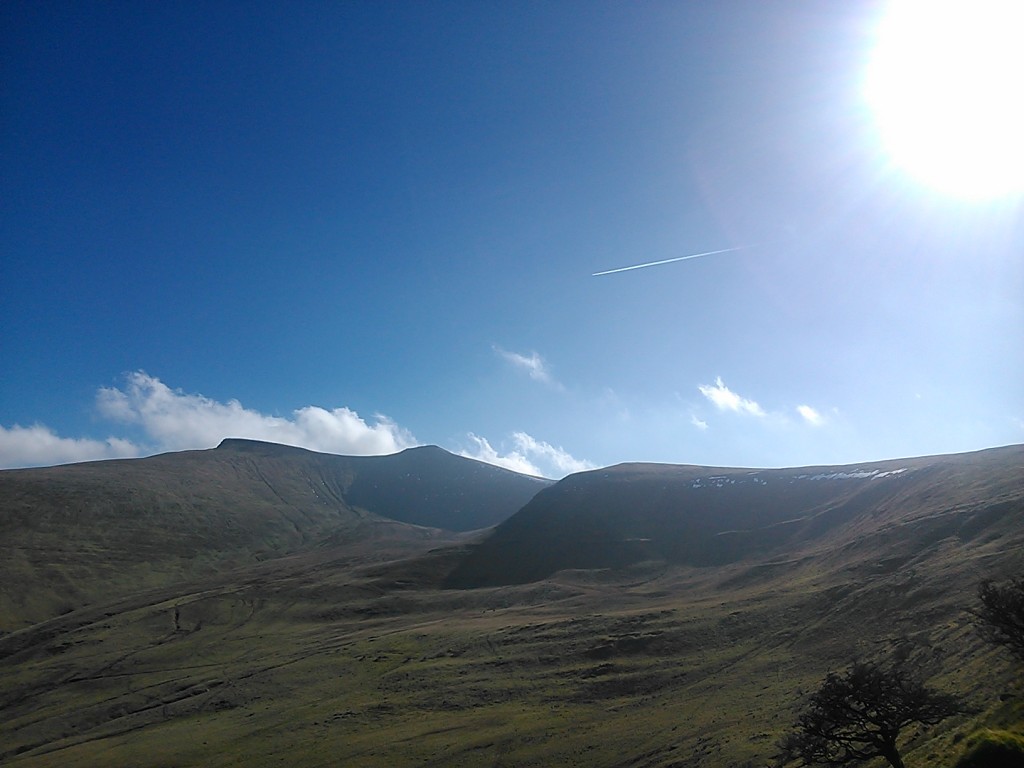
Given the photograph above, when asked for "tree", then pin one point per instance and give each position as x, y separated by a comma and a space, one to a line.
858, 715
1001, 615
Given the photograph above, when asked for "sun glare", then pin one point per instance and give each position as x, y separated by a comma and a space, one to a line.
946, 87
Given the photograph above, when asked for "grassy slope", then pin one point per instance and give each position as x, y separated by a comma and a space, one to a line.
91, 532
340, 657
333, 663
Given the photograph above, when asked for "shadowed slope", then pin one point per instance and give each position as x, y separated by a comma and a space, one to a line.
426, 485
429, 486
702, 516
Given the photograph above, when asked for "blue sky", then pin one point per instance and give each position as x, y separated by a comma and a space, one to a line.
363, 226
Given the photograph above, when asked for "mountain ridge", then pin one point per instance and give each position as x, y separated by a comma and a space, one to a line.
691, 515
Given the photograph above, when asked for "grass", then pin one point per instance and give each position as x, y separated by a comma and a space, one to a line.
80, 534
316, 664
339, 648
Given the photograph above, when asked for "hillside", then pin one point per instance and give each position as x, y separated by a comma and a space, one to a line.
703, 516
76, 534
698, 655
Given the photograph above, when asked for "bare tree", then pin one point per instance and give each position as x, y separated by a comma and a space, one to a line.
1001, 615
858, 715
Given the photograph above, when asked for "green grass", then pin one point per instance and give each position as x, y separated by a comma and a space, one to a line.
343, 654
82, 534
318, 665
993, 749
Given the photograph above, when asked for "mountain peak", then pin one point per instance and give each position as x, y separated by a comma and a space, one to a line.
425, 450
260, 447
245, 444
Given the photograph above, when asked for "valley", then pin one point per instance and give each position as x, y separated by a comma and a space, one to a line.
362, 650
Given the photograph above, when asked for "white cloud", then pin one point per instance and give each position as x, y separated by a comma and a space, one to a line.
38, 445
528, 456
172, 420
533, 364
482, 450
558, 458
810, 415
698, 423
176, 420
725, 399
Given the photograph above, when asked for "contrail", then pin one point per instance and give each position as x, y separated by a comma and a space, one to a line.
669, 261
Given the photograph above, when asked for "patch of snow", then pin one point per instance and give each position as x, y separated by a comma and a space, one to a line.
860, 474
892, 472
720, 481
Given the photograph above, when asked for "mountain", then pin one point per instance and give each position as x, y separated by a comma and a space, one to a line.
429, 486
736, 592
707, 516
78, 533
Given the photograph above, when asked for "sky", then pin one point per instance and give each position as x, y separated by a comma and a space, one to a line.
359, 227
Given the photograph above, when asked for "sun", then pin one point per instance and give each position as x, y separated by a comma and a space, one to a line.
945, 86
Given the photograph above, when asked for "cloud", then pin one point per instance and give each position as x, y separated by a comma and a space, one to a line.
810, 415
558, 458
533, 364
169, 419
38, 445
483, 451
698, 423
175, 420
725, 399
528, 456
